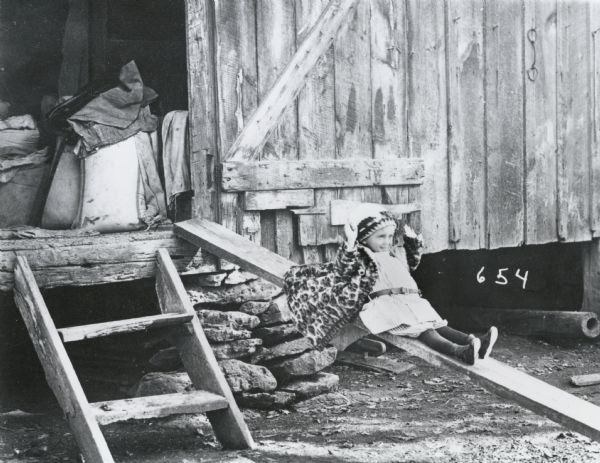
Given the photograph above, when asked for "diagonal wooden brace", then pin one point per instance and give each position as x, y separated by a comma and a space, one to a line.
292, 79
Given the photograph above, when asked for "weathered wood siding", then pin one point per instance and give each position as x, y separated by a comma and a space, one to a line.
498, 98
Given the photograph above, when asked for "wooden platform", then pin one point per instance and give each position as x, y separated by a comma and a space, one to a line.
71, 260
497, 377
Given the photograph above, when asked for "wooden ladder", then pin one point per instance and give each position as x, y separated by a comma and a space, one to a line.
212, 395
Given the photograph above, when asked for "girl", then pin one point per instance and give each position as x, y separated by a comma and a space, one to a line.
369, 289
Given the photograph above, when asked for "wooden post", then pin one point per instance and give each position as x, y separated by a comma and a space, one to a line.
202, 106
591, 276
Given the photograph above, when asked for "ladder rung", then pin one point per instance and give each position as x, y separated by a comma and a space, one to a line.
154, 406
96, 330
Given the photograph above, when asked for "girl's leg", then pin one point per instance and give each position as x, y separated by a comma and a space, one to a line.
455, 336
437, 342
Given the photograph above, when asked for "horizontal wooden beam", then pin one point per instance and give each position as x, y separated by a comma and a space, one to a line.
512, 384
278, 199
292, 79
562, 323
343, 210
143, 408
97, 330
223, 242
90, 260
338, 173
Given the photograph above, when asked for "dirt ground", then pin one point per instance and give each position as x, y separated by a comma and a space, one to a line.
423, 415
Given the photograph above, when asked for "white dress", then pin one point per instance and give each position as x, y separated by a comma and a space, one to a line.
399, 314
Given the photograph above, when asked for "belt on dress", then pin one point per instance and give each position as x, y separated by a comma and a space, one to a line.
390, 291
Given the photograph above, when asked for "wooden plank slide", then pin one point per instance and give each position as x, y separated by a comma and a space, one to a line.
497, 377
212, 396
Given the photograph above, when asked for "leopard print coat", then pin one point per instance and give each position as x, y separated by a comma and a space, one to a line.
325, 297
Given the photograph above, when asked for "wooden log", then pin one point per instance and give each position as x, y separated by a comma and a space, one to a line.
282, 175
516, 386
538, 322
291, 80
585, 380
88, 260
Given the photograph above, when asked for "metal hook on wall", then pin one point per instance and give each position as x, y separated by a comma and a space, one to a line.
532, 72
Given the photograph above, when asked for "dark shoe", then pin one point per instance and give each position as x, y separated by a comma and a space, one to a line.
468, 354
487, 342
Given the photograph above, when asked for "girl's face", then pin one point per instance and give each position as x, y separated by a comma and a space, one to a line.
381, 240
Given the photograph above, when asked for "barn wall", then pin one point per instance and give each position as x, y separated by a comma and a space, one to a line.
498, 98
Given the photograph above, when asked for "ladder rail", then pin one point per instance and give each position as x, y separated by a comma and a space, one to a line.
198, 358
60, 374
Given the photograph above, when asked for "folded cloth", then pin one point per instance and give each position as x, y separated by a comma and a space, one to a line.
10, 165
151, 196
19, 135
116, 114
96, 136
176, 156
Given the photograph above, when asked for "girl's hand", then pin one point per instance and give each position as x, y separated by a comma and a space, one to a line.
350, 233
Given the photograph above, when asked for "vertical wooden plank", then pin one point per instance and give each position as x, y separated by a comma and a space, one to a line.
595, 152
573, 131
465, 120
504, 123
427, 118
59, 371
388, 77
267, 230
276, 43
353, 87
316, 114
353, 97
540, 121
316, 107
237, 94
203, 140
